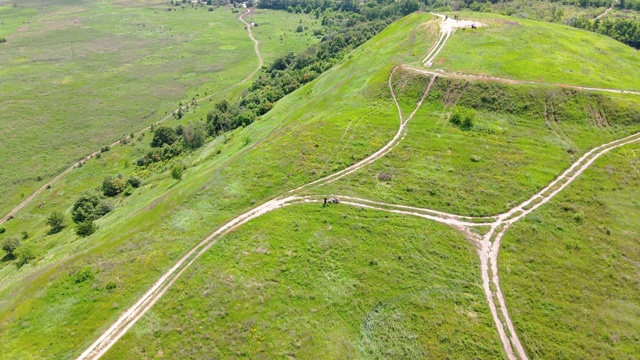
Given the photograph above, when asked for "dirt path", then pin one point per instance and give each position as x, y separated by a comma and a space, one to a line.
604, 13
26, 201
459, 75
384, 150
447, 27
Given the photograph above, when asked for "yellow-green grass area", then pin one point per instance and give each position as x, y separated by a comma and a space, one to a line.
539, 51
324, 283
296, 142
570, 270
11, 19
77, 76
511, 152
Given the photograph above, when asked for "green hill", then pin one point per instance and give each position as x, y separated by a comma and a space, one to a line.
309, 281
533, 50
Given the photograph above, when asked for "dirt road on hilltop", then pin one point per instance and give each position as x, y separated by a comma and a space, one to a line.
30, 198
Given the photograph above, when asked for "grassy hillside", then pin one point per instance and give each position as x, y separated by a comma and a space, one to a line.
421, 278
313, 282
539, 51
514, 149
301, 139
570, 269
78, 76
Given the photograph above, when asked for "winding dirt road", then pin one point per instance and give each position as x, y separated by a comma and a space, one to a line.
26, 201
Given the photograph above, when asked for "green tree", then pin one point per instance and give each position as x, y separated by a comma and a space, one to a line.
463, 118
176, 172
10, 245
56, 222
194, 134
163, 135
86, 228
25, 254
84, 207
113, 185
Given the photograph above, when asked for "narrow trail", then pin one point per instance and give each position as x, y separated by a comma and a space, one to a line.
459, 75
384, 150
607, 10
79, 163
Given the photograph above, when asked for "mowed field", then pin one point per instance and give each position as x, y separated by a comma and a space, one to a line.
76, 76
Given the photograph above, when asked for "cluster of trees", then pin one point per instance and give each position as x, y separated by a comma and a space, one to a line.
626, 31
370, 10
170, 142
15, 249
291, 71
463, 118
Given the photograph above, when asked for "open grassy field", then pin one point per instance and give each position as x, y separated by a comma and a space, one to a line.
570, 269
76, 76
512, 151
314, 282
534, 50
301, 139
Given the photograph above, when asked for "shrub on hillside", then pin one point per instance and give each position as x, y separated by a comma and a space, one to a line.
463, 118
86, 228
176, 172
113, 185
194, 134
55, 222
163, 135
25, 255
134, 181
89, 206
10, 245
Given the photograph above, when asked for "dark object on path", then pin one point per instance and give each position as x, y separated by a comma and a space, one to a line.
324, 203
473, 26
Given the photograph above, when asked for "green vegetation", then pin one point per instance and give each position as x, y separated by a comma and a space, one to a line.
334, 282
111, 68
571, 281
306, 135
283, 284
55, 222
551, 53
521, 138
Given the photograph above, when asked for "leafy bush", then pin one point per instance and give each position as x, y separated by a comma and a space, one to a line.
25, 255
56, 222
86, 228
194, 134
113, 185
84, 274
134, 181
176, 172
2, 230
463, 118
84, 207
163, 135
10, 245
102, 209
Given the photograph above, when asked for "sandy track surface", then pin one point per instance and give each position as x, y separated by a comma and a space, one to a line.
459, 75
26, 201
604, 13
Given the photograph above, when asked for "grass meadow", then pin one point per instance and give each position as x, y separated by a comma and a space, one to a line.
76, 76
539, 51
511, 153
569, 271
314, 282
